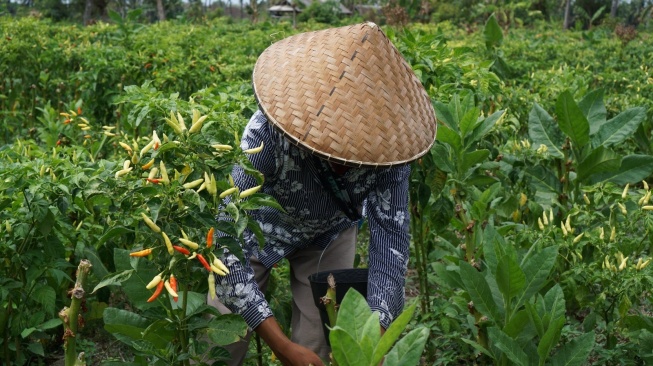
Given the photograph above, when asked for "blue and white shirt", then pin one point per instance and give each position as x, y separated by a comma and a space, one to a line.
314, 218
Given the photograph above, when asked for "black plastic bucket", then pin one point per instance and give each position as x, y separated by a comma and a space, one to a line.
345, 279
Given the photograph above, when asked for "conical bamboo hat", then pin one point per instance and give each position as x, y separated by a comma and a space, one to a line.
347, 95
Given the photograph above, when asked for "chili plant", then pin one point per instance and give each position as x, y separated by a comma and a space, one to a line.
173, 189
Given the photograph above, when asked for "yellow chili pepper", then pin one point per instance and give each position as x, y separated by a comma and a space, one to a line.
150, 223
141, 253
211, 280
189, 243
168, 243
182, 125
197, 125
155, 281
254, 150
193, 184
228, 192
148, 165
249, 192
218, 263
171, 291
624, 194
221, 147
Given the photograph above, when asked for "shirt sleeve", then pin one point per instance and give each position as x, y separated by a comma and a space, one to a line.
238, 290
388, 220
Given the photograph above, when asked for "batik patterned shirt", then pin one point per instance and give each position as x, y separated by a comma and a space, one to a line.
313, 217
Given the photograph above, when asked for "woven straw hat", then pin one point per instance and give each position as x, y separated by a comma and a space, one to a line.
347, 95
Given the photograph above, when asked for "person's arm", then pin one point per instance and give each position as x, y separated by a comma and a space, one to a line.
388, 221
239, 290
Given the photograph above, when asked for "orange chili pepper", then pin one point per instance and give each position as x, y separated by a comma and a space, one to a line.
157, 292
181, 250
209, 238
204, 262
173, 284
141, 253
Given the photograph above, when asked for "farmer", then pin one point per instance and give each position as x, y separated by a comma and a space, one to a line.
340, 116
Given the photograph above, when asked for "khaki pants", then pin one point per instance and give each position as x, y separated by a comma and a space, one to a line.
306, 326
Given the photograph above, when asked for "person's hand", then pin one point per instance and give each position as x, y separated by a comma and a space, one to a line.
289, 353
293, 354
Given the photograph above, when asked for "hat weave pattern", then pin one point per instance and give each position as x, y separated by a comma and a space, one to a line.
347, 95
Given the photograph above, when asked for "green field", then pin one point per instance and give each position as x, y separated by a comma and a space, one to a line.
531, 216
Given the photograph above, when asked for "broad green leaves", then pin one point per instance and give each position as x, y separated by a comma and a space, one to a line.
572, 121
510, 294
356, 339
580, 142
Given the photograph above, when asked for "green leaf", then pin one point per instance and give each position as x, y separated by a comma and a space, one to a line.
36, 348
226, 329
97, 264
494, 247
555, 302
483, 128
445, 277
46, 296
444, 115
634, 168
508, 346
473, 158
442, 157
134, 287
469, 121
600, 160
114, 279
492, 33
259, 200
479, 348
408, 350
619, 128
550, 338
115, 16
535, 318
536, 269
112, 233
574, 353
594, 109
447, 136
46, 224
393, 333
517, 323
572, 121
371, 332
543, 179
49, 324
133, 326
346, 351
479, 291
510, 278
543, 131
353, 313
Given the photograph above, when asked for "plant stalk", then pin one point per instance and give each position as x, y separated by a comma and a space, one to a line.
70, 316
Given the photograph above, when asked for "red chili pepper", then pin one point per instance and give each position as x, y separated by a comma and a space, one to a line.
181, 250
173, 284
153, 180
204, 262
157, 292
209, 238
79, 110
